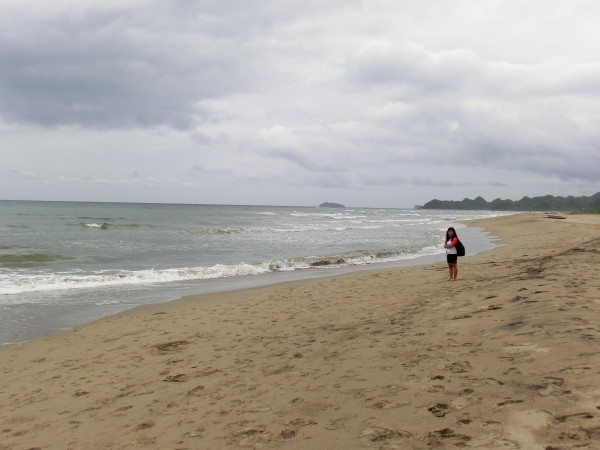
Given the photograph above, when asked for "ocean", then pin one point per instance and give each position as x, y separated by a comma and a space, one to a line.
66, 263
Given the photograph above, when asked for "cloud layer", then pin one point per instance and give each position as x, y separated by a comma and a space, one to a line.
377, 103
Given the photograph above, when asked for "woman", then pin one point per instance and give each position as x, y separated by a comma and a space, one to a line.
451, 253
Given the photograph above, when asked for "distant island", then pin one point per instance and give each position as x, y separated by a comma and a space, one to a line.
545, 203
331, 205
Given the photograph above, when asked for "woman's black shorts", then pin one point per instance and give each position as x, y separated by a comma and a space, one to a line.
451, 258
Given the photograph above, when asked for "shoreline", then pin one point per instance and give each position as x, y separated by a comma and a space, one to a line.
43, 320
506, 357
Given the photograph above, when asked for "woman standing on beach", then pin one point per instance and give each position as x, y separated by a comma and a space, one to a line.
451, 253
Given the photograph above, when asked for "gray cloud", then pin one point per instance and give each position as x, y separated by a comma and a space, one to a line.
115, 69
290, 101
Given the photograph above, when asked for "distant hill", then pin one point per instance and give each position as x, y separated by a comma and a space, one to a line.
331, 205
545, 203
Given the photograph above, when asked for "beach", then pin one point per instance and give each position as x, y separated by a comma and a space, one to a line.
508, 356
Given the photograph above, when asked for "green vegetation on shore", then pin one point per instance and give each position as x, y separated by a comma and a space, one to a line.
545, 203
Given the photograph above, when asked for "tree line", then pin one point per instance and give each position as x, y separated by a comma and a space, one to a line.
544, 203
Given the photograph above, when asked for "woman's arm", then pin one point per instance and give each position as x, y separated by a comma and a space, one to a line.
452, 243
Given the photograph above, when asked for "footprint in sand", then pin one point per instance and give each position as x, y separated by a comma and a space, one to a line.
378, 434
196, 391
459, 367
168, 347
439, 409
254, 437
509, 401
144, 426
336, 424
386, 404
447, 435
179, 378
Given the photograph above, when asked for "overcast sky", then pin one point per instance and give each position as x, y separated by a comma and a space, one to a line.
383, 103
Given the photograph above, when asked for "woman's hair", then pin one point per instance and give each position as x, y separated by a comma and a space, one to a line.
447, 236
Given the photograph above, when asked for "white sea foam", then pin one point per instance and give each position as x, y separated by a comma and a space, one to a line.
45, 282
336, 216
18, 284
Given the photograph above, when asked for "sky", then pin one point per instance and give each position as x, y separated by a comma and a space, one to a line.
380, 103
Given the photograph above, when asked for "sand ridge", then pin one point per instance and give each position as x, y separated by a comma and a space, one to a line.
506, 357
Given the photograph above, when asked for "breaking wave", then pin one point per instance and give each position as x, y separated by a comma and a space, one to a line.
16, 283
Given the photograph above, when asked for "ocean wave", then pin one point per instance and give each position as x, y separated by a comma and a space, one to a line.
355, 258
19, 227
106, 225
14, 246
30, 259
307, 228
337, 216
102, 226
229, 230
99, 219
19, 283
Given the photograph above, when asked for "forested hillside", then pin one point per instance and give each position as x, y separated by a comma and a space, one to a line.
545, 203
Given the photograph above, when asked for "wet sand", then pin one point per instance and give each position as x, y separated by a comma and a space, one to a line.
506, 357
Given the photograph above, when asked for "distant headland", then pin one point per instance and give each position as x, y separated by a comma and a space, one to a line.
331, 205
545, 203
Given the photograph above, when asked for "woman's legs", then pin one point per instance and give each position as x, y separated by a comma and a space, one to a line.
452, 267
452, 271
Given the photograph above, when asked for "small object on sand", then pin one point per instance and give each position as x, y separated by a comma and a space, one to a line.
554, 215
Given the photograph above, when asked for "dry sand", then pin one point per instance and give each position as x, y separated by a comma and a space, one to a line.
506, 357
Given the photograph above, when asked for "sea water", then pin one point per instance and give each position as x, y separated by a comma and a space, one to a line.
66, 263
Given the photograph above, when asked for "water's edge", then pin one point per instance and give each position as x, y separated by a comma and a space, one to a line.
52, 319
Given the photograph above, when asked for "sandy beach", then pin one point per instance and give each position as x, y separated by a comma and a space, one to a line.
506, 357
